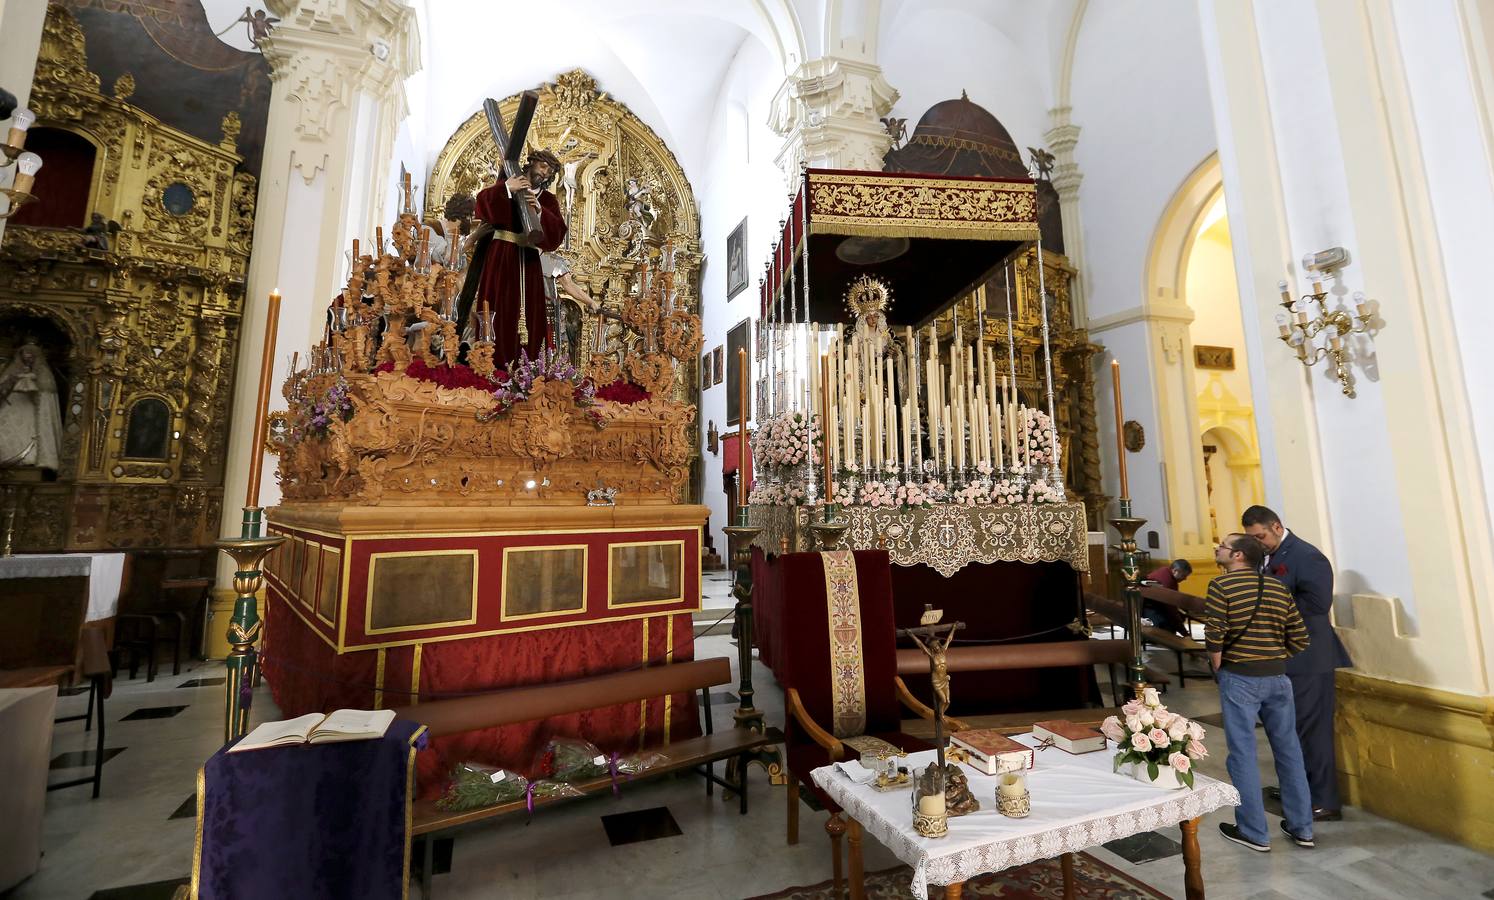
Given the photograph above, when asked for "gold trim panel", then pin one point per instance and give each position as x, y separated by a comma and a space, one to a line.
680, 598
373, 558
503, 614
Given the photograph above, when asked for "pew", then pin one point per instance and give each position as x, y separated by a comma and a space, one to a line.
1115, 613
998, 657
524, 704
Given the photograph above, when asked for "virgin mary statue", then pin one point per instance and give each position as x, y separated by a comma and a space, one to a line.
30, 423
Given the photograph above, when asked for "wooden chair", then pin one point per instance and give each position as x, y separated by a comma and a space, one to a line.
100, 674
811, 736
167, 592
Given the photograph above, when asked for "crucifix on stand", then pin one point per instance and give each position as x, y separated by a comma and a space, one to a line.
934, 639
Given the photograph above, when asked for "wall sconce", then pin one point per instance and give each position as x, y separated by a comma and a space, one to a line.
27, 164
1303, 321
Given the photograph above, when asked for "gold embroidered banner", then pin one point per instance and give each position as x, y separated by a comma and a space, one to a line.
945, 537
875, 204
847, 676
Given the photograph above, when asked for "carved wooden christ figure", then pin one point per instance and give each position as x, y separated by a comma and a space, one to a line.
506, 270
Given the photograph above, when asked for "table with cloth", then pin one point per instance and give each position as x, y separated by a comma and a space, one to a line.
1077, 802
308, 820
46, 599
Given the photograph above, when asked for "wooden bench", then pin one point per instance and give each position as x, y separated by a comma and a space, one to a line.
995, 657
516, 705
1115, 614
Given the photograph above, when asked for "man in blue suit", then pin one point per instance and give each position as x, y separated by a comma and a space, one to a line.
1307, 573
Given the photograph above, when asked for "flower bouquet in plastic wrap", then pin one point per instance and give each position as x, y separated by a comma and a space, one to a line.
571, 761
476, 786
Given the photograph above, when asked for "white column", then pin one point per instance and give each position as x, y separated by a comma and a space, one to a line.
337, 98
1062, 138
829, 113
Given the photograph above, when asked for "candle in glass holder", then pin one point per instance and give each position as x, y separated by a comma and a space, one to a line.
1012, 785
931, 805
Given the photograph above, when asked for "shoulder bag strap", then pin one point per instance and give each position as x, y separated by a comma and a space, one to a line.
1260, 592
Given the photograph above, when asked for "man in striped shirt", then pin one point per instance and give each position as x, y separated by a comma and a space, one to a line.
1251, 627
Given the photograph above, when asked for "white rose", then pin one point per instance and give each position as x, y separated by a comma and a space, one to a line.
1134, 724
1150, 698
1178, 730
1147, 718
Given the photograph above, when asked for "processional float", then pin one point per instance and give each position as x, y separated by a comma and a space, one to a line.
884, 417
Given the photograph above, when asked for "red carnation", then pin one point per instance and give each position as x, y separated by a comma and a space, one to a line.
621, 391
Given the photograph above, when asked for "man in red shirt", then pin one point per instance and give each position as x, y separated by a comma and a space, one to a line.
1162, 615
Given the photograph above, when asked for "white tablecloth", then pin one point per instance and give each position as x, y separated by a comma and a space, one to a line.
104, 572
1077, 802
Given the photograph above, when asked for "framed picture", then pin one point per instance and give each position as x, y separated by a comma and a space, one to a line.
738, 338
718, 365
705, 370
736, 260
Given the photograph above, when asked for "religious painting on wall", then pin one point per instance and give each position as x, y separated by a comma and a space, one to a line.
1207, 357
718, 366
738, 338
705, 370
736, 260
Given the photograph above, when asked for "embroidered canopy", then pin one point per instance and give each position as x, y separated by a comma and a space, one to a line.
931, 238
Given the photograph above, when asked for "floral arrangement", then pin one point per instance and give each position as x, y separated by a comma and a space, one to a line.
787, 439
911, 494
447, 376
1007, 492
625, 392
1041, 491
765, 493
845, 495
316, 414
1149, 735
551, 365
976, 493
1040, 438
877, 493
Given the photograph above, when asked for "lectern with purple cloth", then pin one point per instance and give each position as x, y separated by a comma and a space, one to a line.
311, 820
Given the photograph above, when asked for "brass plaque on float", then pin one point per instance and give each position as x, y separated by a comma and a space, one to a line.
543, 581
411, 590
326, 598
647, 572
309, 574
292, 575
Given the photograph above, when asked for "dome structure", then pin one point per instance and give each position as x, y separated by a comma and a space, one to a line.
958, 137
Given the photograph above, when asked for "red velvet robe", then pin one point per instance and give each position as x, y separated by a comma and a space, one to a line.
500, 287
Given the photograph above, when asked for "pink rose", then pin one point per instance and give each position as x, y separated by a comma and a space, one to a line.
1196, 749
1180, 762
1178, 730
1158, 737
1195, 731
1140, 742
1163, 718
1112, 729
1133, 708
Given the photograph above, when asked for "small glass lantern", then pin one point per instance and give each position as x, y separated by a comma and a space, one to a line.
930, 817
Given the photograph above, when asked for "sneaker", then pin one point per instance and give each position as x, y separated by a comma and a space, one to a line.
1231, 833
1299, 841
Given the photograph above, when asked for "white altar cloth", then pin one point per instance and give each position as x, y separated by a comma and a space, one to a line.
104, 571
1077, 802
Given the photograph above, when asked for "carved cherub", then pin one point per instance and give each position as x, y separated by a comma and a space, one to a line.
897, 129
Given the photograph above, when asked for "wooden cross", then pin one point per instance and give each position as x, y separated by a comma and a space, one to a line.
934, 639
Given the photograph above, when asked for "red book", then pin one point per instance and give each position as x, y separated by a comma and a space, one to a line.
1067, 736
993, 752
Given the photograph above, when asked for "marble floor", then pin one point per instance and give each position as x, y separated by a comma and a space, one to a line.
661, 838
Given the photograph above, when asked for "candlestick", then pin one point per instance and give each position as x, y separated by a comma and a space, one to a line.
741, 427
262, 403
1120, 438
825, 409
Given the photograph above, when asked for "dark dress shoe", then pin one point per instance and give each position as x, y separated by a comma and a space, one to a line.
1273, 793
1327, 815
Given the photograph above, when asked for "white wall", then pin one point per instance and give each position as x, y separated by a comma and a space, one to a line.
1140, 98
1368, 558
740, 179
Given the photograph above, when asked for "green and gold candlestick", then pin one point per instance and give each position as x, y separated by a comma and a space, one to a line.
1130, 566
248, 551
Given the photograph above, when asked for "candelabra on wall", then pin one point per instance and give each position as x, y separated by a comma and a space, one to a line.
1307, 319
27, 164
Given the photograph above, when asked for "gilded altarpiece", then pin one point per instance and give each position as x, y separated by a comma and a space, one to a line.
150, 320
621, 189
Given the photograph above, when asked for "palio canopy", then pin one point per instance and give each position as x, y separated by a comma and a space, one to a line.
931, 238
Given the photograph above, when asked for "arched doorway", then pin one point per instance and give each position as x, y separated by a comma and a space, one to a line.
1209, 448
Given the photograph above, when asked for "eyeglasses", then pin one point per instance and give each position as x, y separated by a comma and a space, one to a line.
1228, 547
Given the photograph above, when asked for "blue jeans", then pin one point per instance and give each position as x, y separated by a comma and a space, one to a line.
1243, 698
